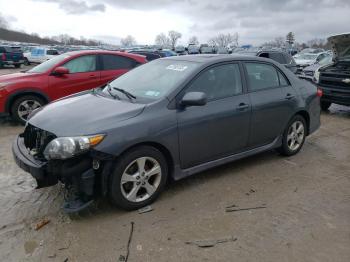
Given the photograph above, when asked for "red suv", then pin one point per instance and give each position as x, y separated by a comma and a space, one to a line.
69, 73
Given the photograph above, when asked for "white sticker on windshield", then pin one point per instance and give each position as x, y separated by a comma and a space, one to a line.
177, 67
152, 93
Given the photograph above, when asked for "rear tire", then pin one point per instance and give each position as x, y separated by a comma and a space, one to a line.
325, 105
294, 136
138, 178
23, 106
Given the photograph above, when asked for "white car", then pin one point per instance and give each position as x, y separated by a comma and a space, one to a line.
307, 59
40, 54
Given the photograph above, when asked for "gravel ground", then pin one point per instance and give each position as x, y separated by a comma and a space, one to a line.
307, 214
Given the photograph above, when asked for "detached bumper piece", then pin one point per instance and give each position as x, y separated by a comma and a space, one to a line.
76, 174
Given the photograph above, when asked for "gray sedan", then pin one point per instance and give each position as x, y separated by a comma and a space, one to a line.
167, 119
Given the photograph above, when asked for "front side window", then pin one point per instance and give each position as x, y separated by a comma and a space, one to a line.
261, 76
86, 63
218, 82
116, 62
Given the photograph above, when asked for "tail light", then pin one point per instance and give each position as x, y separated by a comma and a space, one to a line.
3, 57
319, 92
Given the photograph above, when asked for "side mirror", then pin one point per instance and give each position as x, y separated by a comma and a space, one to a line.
59, 71
194, 99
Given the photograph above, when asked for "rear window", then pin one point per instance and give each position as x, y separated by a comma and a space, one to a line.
52, 52
115, 62
278, 57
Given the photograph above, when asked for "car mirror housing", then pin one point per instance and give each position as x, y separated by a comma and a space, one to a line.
194, 99
58, 71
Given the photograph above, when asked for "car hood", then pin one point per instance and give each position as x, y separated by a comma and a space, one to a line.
303, 61
340, 46
312, 67
84, 114
16, 77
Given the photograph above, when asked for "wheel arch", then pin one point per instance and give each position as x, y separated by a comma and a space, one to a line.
31, 91
163, 149
306, 116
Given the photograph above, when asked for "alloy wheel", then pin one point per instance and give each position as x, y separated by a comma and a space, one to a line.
141, 179
296, 135
26, 107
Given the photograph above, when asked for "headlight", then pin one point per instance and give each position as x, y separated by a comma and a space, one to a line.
317, 75
67, 147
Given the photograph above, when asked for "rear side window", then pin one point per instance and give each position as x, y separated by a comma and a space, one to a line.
283, 80
218, 82
278, 57
115, 62
261, 76
86, 63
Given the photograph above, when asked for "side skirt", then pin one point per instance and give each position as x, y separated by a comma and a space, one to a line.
182, 173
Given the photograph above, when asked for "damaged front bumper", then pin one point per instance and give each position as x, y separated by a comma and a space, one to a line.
77, 174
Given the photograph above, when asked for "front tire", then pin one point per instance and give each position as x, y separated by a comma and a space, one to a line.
26, 61
139, 177
294, 136
23, 106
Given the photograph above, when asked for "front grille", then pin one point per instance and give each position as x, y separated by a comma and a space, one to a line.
309, 73
36, 139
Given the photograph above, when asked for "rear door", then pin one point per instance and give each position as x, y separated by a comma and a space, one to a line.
219, 128
83, 75
270, 103
113, 66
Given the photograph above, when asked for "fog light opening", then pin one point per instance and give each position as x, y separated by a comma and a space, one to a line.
95, 164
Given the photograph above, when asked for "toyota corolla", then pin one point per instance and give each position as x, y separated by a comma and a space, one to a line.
168, 119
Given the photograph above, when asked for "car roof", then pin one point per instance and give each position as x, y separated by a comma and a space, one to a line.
216, 58
98, 51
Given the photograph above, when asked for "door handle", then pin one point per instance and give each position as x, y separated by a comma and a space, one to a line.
289, 96
242, 106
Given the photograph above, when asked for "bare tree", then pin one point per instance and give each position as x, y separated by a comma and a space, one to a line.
128, 41
193, 40
174, 36
162, 40
224, 40
317, 43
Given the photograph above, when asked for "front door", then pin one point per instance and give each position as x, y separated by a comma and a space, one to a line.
83, 75
220, 127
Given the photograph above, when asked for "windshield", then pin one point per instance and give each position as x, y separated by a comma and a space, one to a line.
154, 80
325, 61
43, 67
307, 56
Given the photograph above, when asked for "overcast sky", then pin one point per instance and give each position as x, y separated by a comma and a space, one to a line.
256, 21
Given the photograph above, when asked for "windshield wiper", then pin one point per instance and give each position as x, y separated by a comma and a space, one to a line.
126, 93
109, 90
